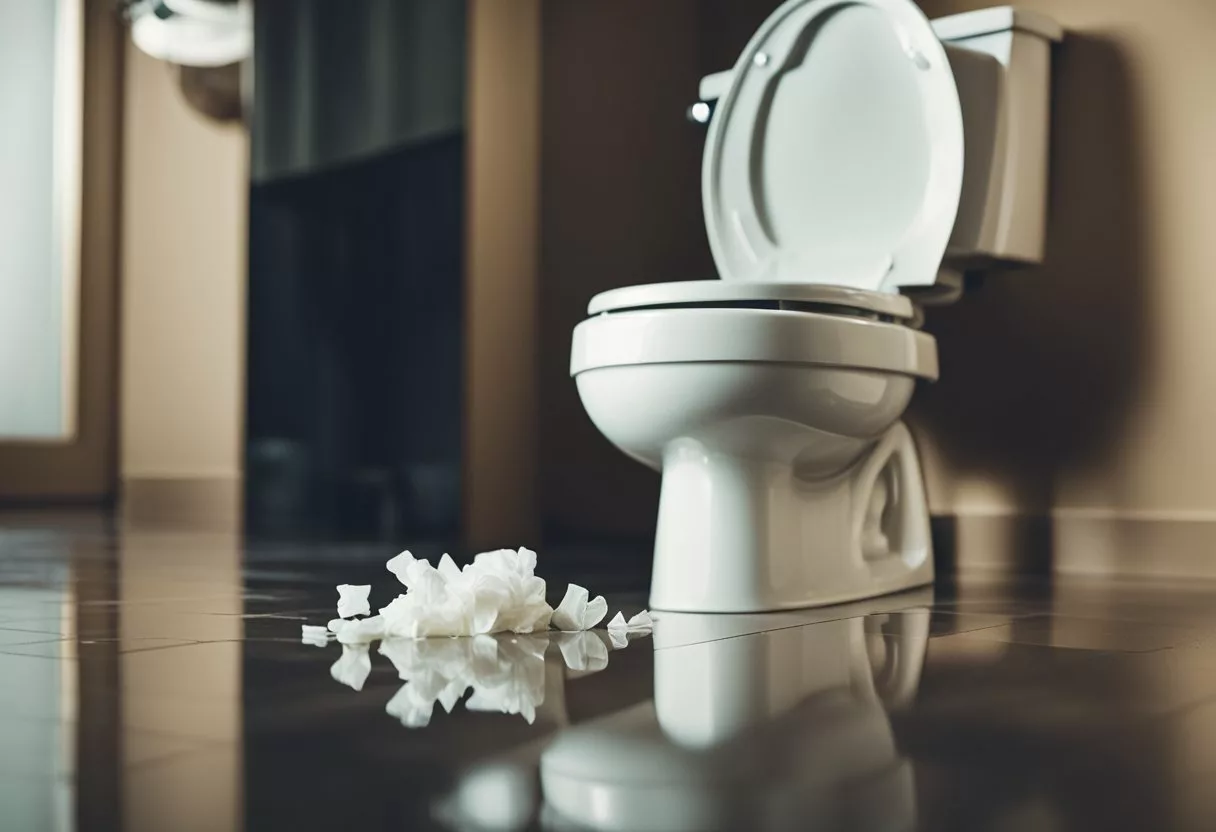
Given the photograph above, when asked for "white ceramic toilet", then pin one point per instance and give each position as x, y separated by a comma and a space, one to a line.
858, 159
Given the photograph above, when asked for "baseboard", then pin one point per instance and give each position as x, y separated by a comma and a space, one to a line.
1076, 544
211, 504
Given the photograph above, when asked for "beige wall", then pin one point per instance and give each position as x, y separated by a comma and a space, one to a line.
1080, 389
502, 235
185, 195
1083, 389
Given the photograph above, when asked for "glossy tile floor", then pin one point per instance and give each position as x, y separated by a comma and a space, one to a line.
159, 682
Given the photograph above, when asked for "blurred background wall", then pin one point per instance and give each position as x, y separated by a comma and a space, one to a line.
620, 204
501, 431
357, 268
1070, 425
185, 192
1068, 430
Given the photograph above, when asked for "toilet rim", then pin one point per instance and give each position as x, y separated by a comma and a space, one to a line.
688, 292
697, 335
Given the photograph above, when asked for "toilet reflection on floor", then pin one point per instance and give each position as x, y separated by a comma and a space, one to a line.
779, 730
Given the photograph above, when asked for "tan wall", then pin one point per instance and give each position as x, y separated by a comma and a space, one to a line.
1084, 388
501, 271
185, 195
1079, 388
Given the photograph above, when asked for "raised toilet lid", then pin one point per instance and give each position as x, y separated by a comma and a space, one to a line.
836, 156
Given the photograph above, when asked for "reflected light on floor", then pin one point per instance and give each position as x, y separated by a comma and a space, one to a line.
189, 692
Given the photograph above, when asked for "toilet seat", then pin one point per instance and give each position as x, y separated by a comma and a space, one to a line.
692, 335
836, 155
719, 293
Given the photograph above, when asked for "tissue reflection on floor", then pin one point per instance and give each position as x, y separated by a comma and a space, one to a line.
506, 673
778, 730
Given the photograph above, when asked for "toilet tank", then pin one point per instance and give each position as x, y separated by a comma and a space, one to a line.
1001, 59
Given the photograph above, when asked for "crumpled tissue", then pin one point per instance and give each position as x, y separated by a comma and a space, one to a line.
316, 636
642, 622
576, 613
619, 629
352, 600
496, 593
359, 630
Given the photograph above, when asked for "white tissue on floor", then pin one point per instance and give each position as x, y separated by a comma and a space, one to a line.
316, 636
352, 600
496, 593
358, 631
353, 667
639, 623
576, 613
619, 629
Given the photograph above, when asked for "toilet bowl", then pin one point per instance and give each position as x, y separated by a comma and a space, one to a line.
758, 419
770, 399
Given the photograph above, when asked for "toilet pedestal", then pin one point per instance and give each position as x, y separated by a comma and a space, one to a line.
751, 529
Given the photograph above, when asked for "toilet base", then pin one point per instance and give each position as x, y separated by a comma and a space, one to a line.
754, 531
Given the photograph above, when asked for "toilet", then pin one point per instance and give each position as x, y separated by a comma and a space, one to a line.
859, 159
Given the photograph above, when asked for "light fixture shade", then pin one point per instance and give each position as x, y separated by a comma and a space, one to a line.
198, 33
